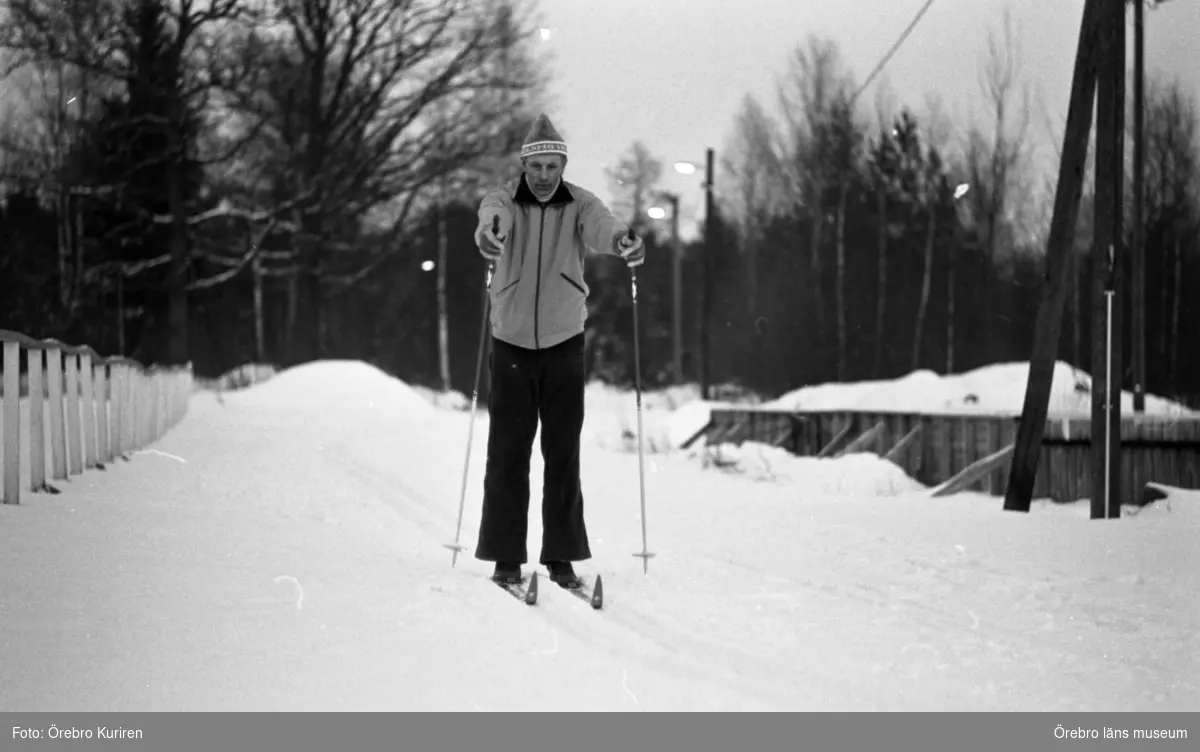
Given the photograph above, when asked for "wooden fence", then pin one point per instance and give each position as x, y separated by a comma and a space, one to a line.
99, 409
971, 452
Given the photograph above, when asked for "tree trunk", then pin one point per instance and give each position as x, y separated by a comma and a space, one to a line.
443, 310
950, 306
752, 273
926, 286
815, 261
260, 344
306, 302
120, 311
177, 294
841, 282
64, 233
881, 303
293, 306
1164, 302
1175, 383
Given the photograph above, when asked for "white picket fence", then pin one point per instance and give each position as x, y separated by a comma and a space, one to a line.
82, 411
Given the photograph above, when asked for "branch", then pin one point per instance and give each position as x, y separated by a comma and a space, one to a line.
225, 209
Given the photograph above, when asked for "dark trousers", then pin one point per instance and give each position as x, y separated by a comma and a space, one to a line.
528, 386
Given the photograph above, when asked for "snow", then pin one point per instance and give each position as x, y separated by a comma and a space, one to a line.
996, 389
282, 549
854, 474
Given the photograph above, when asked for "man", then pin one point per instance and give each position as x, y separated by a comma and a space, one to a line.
538, 313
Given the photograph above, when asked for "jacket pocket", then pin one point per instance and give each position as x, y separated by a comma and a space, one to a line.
510, 314
506, 288
573, 283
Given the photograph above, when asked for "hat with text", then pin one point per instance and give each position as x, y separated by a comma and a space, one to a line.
543, 138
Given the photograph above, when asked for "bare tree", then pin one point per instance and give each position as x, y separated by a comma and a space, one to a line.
632, 181
350, 131
752, 165
807, 94
1083, 225
938, 128
843, 157
995, 161
1172, 199
933, 193
55, 53
883, 173
94, 45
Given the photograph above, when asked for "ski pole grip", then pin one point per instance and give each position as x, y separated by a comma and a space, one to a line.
495, 224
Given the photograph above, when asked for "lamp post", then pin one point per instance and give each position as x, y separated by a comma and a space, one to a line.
656, 212
959, 191
688, 168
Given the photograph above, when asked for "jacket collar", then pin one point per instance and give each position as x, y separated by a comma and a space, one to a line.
522, 193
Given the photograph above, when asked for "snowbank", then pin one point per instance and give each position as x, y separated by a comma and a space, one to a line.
860, 474
347, 384
452, 400
995, 389
669, 417
672, 416
243, 376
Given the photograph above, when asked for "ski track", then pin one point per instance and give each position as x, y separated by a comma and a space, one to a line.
647, 641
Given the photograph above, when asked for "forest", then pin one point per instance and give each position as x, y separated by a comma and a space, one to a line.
218, 182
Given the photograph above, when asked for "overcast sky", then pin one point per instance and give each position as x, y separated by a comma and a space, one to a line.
672, 73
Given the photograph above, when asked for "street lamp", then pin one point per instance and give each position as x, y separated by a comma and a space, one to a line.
689, 168
657, 212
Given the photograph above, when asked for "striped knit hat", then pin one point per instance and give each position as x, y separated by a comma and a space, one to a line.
543, 139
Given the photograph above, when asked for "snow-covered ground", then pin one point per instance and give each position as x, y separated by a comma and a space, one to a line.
282, 549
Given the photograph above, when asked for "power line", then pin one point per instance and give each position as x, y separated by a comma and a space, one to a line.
892, 51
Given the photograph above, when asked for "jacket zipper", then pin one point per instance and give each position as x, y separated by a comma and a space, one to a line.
537, 290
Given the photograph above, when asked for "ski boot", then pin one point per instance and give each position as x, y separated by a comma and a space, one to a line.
563, 575
507, 573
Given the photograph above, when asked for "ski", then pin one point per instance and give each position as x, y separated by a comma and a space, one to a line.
593, 594
520, 590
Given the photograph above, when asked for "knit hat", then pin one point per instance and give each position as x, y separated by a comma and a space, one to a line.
543, 139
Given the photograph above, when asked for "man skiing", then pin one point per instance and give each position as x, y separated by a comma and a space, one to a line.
538, 313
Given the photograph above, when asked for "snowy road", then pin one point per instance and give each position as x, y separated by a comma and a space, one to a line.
284, 555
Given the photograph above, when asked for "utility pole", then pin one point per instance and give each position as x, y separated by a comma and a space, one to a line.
1138, 293
706, 305
1023, 471
676, 289
1106, 266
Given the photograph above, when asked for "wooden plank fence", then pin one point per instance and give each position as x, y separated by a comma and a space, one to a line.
98, 409
938, 449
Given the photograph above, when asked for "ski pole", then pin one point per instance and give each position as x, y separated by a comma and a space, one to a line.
455, 546
1108, 397
645, 554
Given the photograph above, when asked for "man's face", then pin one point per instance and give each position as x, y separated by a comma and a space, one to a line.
543, 171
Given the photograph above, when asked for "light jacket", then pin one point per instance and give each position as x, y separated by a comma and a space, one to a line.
538, 292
